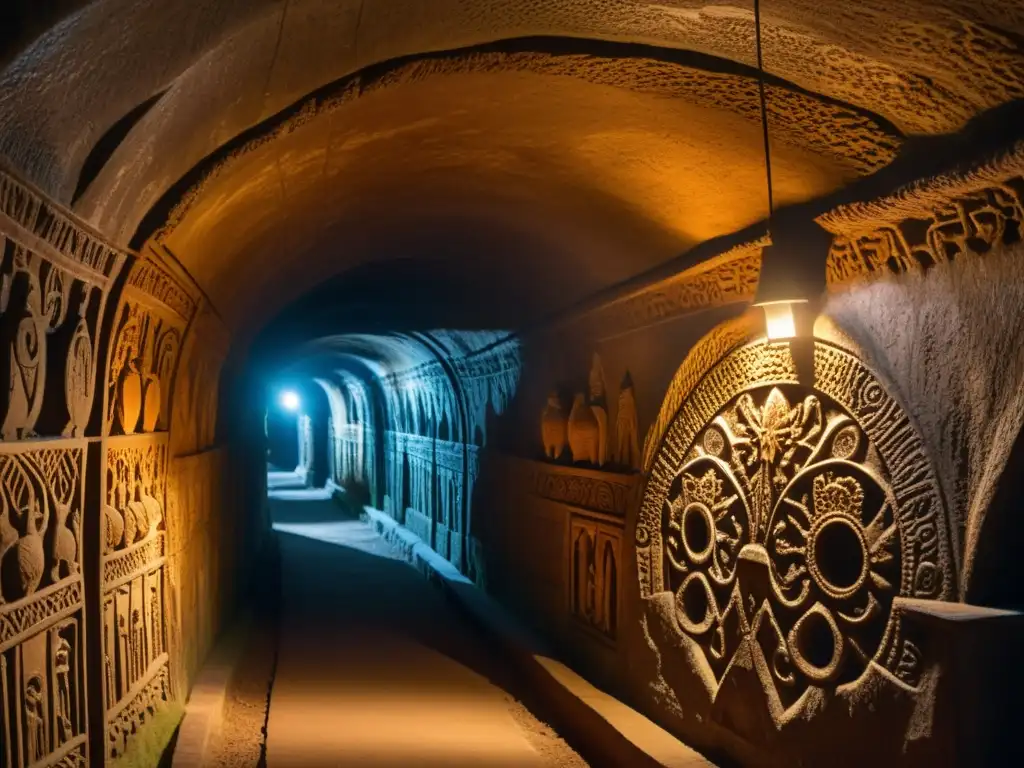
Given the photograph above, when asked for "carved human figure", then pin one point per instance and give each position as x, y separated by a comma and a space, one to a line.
125, 678
62, 671
584, 432
65, 544
155, 614
35, 723
554, 427
138, 644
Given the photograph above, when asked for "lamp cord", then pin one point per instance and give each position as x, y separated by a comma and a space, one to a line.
764, 106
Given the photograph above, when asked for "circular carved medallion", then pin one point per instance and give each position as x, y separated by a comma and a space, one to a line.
785, 519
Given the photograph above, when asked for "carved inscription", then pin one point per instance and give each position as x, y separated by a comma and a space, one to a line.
974, 223
601, 492
783, 520
871, 239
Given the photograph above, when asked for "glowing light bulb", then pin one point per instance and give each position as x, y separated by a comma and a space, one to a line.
290, 400
779, 321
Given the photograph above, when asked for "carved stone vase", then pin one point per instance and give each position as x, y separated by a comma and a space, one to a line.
78, 390
554, 428
25, 562
130, 402
584, 432
65, 546
151, 405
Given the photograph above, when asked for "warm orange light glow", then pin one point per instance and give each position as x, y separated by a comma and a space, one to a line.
779, 320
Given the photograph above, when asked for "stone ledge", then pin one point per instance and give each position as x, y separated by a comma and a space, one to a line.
605, 726
205, 708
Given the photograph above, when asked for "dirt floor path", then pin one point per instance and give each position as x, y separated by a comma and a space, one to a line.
374, 667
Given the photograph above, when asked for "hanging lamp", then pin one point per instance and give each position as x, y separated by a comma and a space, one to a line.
792, 265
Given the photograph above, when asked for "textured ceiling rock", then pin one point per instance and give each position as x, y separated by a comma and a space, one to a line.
571, 149
927, 66
572, 185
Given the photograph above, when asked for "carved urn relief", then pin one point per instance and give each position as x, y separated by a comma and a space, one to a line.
554, 427
78, 380
780, 523
130, 400
584, 432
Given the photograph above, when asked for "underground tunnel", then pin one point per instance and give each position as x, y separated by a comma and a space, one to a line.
506, 383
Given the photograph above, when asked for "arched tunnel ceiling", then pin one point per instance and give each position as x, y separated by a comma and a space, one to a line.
567, 164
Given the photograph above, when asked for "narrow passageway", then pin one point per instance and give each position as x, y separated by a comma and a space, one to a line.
374, 667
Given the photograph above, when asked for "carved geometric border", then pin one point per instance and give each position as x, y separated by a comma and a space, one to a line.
38, 611
126, 564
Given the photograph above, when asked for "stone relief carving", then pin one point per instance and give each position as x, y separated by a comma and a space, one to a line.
554, 428
627, 440
40, 520
133, 572
592, 436
783, 520
41, 682
584, 432
54, 279
599, 405
135, 492
974, 223
594, 577
149, 700
143, 359
599, 491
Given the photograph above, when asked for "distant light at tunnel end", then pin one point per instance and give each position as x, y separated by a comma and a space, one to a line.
290, 400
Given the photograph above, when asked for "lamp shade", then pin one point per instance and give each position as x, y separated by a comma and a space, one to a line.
793, 266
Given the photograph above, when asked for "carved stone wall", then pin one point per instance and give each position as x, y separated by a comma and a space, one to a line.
153, 315
786, 518
85, 462
42, 605
135, 656
56, 279
202, 551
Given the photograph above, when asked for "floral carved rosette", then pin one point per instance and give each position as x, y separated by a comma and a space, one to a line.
783, 520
